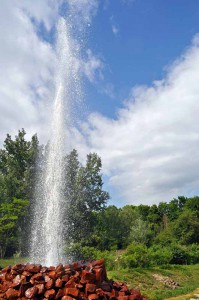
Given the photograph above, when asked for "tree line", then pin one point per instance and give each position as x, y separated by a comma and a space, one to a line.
22, 163
165, 231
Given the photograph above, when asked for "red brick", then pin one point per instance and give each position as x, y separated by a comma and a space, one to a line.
90, 288
65, 278
41, 288
123, 298
11, 294
88, 276
29, 293
58, 283
67, 298
50, 294
33, 268
99, 275
49, 284
59, 294
71, 283
93, 297
98, 262
73, 292
52, 275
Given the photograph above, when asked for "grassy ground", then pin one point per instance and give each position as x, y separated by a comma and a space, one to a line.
12, 261
186, 276
185, 297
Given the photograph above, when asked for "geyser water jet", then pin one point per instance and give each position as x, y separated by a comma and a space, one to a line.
47, 226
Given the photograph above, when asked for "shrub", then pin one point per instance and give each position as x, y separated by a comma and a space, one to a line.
160, 255
136, 255
166, 237
75, 251
193, 254
174, 254
180, 254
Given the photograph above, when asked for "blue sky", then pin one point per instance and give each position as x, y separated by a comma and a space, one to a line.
151, 35
139, 64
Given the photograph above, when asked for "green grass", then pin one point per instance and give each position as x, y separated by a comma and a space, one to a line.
142, 279
12, 261
185, 297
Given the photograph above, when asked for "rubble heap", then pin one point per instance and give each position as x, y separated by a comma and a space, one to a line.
78, 281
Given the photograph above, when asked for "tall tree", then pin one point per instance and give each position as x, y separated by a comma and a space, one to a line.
17, 165
72, 209
84, 195
18, 174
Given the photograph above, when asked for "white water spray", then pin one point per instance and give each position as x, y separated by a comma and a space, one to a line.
47, 226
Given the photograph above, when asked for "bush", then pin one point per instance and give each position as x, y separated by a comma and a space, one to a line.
174, 254
112, 260
180, 255
165, 237
76, 252
193, 254
136, 255
160, 255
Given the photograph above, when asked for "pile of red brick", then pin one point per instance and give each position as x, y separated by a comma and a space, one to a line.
71, 282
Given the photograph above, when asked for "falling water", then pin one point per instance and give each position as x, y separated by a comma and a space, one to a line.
47, 226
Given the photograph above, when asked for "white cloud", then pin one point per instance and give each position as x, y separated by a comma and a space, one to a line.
150, 152
45, 11
92, 67
27, 66
28, 62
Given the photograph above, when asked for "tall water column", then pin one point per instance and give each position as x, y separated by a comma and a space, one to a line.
47, 226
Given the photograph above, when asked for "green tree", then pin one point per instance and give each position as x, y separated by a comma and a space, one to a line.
186, 227
140, 233
90, 181
17, 166
129, 215
10, 216
166, 237
175, 207
163, 209
193, 205
18, 175
84, 196
71, 205
110, 229
143, 211
154, 220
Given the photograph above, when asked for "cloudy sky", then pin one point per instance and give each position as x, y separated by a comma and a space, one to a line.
140, 79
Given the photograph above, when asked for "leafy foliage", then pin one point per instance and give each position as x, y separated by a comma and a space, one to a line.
17, 164
84, 196
17, 178
10, 217
145, 235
